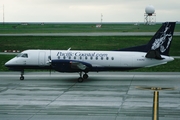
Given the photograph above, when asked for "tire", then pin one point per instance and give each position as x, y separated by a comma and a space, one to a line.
85, 76
22, 78
80, 80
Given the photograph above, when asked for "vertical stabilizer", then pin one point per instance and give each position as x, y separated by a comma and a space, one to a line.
161, 41
159, 44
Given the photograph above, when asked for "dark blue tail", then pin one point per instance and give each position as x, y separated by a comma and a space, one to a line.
160, 43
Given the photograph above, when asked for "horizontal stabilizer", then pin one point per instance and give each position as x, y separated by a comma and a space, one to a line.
154, 54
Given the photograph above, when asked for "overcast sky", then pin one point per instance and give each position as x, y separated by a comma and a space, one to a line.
87, 10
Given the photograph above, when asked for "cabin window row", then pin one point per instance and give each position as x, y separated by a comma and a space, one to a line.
86, 58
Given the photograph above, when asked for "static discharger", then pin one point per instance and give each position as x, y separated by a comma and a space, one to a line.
155, 110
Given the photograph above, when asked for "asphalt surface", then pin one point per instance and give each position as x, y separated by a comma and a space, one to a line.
89, 34
103, 96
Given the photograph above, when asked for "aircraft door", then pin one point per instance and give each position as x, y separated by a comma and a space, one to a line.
42, 56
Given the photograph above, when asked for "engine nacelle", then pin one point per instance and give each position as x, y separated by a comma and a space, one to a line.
70, 66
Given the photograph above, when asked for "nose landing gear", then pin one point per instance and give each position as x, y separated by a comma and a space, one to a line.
22, 75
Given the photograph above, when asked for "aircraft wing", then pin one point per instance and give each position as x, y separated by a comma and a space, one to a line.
70, 65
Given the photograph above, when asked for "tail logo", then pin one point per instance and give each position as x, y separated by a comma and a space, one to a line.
161, 42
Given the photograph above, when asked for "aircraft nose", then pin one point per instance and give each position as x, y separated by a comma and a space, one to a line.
6, 64
9, 63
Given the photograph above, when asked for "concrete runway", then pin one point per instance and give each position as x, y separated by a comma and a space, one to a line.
104, 96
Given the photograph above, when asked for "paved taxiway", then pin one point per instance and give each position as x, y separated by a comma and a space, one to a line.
104, 96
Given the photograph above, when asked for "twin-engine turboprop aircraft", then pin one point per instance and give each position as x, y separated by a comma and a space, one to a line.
155, 52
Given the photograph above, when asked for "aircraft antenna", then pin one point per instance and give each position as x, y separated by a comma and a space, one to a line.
69, 49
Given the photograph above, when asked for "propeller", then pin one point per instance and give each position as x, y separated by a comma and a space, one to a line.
49, 62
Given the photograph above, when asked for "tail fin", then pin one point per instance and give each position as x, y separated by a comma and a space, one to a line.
160, 42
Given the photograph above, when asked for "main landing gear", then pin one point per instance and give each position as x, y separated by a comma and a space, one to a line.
82, 77
22, 75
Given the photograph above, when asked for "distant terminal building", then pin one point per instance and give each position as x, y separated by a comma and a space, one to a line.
24, 24
98, 26
150, 15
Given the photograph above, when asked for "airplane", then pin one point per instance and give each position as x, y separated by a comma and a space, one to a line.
155, 52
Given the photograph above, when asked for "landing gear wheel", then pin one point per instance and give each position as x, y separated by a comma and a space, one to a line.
22, 78
85, 76
22, 73
80, 79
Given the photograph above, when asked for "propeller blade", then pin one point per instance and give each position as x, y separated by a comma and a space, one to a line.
49, 59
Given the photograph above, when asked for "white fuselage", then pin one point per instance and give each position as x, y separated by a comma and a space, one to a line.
105, 59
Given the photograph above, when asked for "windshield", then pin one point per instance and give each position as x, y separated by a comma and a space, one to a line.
19, 55
24, 55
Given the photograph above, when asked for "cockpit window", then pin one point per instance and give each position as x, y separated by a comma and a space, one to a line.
24, 55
